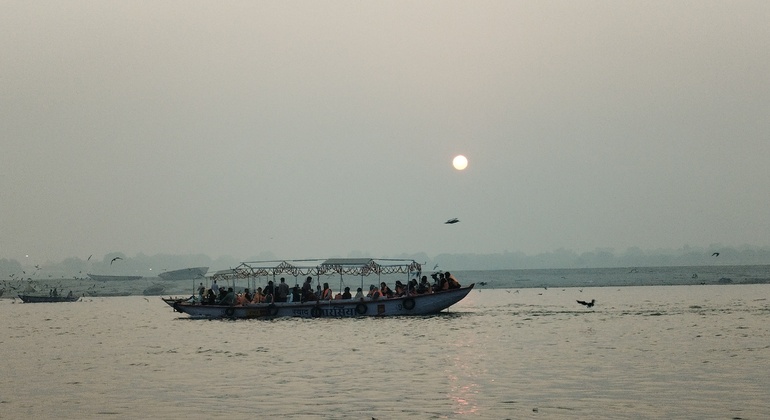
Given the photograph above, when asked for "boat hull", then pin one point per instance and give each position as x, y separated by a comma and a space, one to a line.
47, 299
184, 273
427, 304
101, 277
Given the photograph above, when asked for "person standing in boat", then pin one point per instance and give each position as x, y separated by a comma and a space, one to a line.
307, 290
215, 287
283, 291
201, 291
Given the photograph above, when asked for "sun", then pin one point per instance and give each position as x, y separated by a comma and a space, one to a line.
460, 162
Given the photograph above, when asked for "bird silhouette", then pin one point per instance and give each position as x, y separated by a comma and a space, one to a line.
716, 254
89, 257
452, 221
587, 304
113, 260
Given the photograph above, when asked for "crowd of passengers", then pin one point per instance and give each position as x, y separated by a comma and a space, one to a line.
283, 293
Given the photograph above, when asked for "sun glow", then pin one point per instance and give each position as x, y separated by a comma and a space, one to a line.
460, 162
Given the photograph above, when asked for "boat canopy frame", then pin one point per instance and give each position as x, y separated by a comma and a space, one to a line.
321, 267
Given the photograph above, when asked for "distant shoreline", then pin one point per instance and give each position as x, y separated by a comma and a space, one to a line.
484, 279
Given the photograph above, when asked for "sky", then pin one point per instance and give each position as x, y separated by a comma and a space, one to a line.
317, 129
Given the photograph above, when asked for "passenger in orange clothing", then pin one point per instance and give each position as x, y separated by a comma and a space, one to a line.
326, 294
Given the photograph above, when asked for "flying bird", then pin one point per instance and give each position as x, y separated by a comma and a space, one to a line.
452, 221
113, 260
716, 254
587, 304
89, 257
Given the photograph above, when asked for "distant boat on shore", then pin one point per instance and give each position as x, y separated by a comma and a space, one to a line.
48, 299
184, 273
102, 277
154, 290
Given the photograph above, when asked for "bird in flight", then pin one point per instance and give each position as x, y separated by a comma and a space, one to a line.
452, 221
89, 257
113, 260
716, 254
587, 304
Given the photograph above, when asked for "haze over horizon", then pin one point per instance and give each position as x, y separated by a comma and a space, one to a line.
317, 129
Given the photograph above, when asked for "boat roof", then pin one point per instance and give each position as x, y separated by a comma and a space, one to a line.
315, 267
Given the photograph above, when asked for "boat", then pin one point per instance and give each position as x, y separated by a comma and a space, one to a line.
184, 273
419, 304
47, 299
154, 290
102, 277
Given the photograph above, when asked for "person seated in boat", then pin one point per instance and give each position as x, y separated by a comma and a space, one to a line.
400, 289
424, 286
258, 296
201, 291
229, 298
443, 284
452, 281
326, 293
374, 292
247, 295
269, 296
411, 287
359, 294
211, 297
296, 294
270, 288
385, 290
222, 293
346, 293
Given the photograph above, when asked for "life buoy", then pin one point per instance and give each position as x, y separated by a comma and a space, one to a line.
229, 311
315, 312
361, 309
408, 304
272, 309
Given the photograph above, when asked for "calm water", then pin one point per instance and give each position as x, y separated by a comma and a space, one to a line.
698, 351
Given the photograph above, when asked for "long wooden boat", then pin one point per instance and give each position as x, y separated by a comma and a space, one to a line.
104, 277
184, 273
47, 299
419, 304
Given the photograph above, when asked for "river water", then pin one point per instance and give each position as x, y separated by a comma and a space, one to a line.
698, 351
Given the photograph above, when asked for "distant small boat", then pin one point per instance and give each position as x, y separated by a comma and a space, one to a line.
102, 277
47, 299
154, 290
184, 273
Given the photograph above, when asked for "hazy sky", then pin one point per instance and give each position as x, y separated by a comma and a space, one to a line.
313, 129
